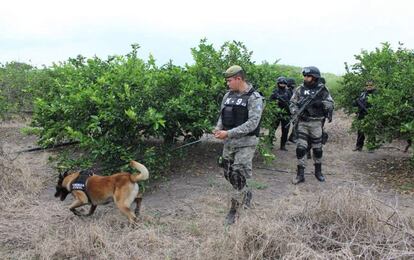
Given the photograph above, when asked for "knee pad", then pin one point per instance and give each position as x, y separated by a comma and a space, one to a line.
237, 180
317, 152
300, 152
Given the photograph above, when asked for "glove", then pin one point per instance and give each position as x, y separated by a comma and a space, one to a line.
317, 104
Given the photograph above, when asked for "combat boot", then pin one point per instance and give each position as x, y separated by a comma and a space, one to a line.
247, 199
231, 216
318, 172
357, 148
300, 175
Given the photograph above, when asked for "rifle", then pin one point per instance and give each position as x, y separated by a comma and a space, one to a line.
305, 103
276, 96
362, 105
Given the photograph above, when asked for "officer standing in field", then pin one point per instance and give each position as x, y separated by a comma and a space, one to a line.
362, 103
310, 117
239, 127
282, 95
291, 83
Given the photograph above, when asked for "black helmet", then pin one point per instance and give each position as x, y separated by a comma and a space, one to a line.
311, 71
291, 82
281, 80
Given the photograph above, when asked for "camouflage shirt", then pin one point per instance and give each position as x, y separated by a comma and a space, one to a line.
238, 136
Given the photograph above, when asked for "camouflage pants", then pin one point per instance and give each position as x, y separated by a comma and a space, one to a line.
240, 159
309, 131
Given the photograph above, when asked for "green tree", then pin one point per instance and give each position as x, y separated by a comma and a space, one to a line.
392, 113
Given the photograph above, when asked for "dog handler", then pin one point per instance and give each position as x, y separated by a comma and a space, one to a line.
238, 126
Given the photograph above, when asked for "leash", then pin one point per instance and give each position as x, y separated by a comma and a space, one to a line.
272, 169
46, 148
278, 170
123, 164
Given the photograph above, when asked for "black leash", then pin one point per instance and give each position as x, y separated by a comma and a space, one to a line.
123, 164
47, 148
272, 169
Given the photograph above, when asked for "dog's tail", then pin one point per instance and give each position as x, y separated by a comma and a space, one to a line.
143, 172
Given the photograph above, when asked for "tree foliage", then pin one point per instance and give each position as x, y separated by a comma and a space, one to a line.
392, 113
124, 107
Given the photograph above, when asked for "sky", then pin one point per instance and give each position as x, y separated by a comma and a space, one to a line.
318, 33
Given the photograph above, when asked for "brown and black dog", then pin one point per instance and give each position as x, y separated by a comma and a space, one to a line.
121, 187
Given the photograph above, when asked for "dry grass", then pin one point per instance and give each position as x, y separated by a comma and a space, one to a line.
341, 224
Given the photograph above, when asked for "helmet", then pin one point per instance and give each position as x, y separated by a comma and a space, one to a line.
311, 71
233, 70
291, 82
281, 80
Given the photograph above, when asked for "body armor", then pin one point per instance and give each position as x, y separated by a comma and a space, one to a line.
235, 111
312, 109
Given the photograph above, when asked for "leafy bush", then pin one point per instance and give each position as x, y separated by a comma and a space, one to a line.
392, 113
124, 107
14, 82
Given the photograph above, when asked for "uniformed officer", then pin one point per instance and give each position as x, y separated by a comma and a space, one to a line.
238, 126
291, 83
282, 95
362, 103
312, 103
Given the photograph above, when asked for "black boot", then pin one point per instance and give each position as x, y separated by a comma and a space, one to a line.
283, 148
300, 175
247, 199
318, 172
231, 216
357, 148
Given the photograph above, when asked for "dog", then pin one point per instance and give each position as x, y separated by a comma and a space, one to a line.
121, 187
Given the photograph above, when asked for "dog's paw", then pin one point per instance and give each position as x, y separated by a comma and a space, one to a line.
77, 213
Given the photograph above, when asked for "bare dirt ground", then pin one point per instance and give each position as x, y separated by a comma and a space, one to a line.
185, 212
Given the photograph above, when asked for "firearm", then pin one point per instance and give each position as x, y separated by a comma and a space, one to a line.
361, 105
304, 104
276, 96
328, 115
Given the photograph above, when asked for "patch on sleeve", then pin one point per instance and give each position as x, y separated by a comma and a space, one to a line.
257, 94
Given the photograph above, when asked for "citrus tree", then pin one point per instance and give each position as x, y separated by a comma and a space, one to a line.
392, 113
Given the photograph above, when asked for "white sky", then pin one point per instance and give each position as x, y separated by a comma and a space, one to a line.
322, 33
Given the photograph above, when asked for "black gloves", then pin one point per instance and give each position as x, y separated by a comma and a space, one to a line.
317, 104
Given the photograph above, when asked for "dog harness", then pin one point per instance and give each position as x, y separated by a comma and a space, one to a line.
80, 182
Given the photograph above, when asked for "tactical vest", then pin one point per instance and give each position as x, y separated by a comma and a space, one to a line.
235, 112
80, 182
283, 97
311, 111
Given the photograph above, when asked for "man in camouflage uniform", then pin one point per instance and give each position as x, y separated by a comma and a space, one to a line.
310, 120
239, 126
